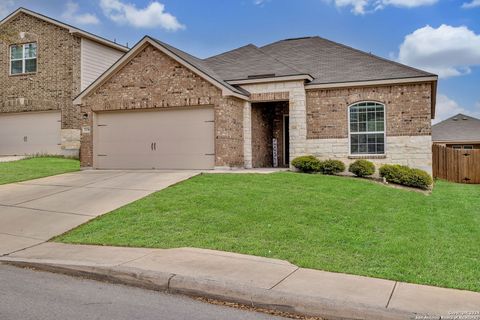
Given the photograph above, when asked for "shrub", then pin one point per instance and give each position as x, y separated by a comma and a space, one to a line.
307, 164
332, 166
362, 168
406, 176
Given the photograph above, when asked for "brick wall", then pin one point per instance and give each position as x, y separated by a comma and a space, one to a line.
262, 130
57, 80
408, 123
408, 109
267, 123
154, 80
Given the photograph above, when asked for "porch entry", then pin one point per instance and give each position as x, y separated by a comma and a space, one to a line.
270, 134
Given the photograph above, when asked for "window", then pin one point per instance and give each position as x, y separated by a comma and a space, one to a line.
468, 147
367, 128
23, 58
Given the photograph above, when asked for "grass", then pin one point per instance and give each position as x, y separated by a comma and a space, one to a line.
33, 168
323, 222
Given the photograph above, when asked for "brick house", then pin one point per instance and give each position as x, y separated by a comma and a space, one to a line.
44, 65
160, 107
458, 132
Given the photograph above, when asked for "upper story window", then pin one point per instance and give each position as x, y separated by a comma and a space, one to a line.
23, 58
367, 128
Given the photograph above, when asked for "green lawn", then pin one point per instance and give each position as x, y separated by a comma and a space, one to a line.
323, 222
35, 168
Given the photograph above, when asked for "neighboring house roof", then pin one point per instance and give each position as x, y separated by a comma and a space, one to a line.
194, 64
73, 30
326, 61
249, 62
459, 128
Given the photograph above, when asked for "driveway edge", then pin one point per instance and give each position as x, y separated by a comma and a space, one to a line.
294, 303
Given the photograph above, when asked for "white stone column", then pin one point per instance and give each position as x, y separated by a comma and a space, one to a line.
247, 135
297, 121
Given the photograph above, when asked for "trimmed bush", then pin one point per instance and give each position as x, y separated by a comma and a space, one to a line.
332, 166
362, 168
307, 164
406, 176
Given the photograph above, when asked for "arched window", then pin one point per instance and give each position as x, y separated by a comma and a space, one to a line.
367, 128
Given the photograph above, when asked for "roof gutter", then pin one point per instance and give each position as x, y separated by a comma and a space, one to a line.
370, 83
305, 77
457, 141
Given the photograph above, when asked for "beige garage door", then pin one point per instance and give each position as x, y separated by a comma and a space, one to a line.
30, 133
167, 139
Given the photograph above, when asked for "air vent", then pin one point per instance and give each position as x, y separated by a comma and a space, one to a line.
300, 38
260, 76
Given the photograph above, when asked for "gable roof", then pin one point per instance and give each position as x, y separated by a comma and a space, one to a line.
194, 64
459, 128
249, 62
73, 30
200, 65
331, 62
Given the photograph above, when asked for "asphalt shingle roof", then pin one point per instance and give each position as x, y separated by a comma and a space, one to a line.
325, 60
246, 62
459, 128
331, 62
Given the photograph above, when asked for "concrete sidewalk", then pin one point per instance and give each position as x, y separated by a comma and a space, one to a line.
250, 280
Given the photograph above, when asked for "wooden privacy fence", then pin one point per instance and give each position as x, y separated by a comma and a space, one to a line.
456, 165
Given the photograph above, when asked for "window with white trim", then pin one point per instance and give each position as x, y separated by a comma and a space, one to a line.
23, 58
367, 128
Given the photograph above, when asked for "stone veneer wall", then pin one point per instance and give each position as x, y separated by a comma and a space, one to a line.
295, 91
413, 151
154, 80
408, 123
56, 82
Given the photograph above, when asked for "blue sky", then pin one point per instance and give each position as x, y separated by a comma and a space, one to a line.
442, 36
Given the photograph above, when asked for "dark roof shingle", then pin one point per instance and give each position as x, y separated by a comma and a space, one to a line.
459, 128
331, 62
246, 62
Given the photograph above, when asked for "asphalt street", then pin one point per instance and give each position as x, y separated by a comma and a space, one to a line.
28, 294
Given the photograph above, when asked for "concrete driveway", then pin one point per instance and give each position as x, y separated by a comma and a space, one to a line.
34, 211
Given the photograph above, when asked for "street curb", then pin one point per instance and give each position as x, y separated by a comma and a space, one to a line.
221, 290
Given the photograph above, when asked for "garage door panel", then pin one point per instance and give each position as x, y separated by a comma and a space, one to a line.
167, 139
30, 133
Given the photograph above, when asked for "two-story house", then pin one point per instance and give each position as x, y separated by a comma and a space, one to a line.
44, 65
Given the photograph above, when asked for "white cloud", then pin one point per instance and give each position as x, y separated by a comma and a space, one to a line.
260, 2
447, 51
366, 6
6, 7
447, 108
71, 14
152, 16
473, 4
